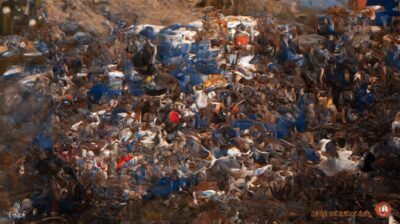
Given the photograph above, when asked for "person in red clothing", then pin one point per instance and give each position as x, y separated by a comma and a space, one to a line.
174, 123
175, 117
242, 37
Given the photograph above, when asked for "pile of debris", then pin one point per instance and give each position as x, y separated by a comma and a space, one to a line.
214, 118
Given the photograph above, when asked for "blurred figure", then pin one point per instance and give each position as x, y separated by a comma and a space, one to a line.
6, 17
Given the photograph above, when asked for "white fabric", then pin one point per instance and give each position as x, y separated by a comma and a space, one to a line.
201, 99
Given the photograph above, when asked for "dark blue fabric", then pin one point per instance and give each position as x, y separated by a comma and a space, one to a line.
130, 146
271, 127
43, 205
393, 58
137, 88
312, 155
326, 29
200, 123
384, 18
195, 79
44, 142
259, 157
231, 133
205, 61
148, 32
284, 126
140, 174
301, 121
181, 184
58, 70
364, 100
127, 68
163, 188
97, 91
115, 112
287, 52
301, 115
255, 116
243, 124
67, 206
42, 46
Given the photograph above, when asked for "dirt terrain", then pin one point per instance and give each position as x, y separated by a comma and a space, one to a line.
97, 16
91, 15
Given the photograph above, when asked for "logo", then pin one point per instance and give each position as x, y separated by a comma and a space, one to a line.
383, 209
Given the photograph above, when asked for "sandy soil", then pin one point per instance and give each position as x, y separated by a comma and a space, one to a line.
89, 14
158, 12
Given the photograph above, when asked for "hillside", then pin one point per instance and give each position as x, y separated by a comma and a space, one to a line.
96, 16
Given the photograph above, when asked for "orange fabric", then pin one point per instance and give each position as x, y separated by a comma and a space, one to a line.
208, 83
242, 39
361, 4
215, 77
123, 160
235, 109
69, 97
223, 23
